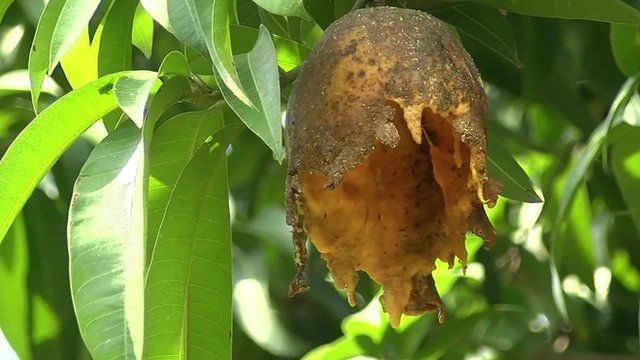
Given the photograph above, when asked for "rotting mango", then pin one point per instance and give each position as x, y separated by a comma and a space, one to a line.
387, 149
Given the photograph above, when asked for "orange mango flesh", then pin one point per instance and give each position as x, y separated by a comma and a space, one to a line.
394, 214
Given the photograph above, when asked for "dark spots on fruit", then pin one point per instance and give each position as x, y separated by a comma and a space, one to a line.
361, 73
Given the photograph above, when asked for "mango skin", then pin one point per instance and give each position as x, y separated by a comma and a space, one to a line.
387, 149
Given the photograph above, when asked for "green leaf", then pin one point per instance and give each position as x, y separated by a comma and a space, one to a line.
626, 168
615, 11
132, 93
484, 25
106, 246
289, 53
220, 49
4, 5
80, 63
114, 53
60, 25
173, 145
188, 286
14, 302
625, 45
284, 7
35, 151
142, 34
188, 20
259, 76
503, 168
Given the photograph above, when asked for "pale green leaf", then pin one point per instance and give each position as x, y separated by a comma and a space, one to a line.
106, 246
284, 7
188, 286
132, 93
615, 11
173, 145
258, 72
142, 34
60, 25
35, 151
80, 63
501, 166
188, 20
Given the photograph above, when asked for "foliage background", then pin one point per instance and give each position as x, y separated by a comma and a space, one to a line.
562, 280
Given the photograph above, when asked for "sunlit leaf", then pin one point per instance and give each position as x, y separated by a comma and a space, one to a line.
59, 27
132, 93
502, 167
626, 167
18, 81
259, 76
284, 7
188, 285
173, 145
142, 34
106, 246
615, 11
625, 45
80, 63
35, 151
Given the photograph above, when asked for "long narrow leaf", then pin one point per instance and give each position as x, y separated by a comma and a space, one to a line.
258, 71
106, 246
173, 145
188, 288
60, 25
35, 150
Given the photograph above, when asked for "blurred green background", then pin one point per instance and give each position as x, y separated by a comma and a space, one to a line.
562, 280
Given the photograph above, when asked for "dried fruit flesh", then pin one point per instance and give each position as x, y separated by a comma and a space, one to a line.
387, 148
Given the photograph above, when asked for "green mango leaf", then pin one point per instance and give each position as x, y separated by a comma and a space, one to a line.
114, 52
289, 53
614, 11
106, 246
203, 25
14, 302
173, 145
625, 45
4, 5
484, 25
80, 63
188, 285
220, 49
258, 72
35, 151
60, 25
132, 93
142, 33
188, 20
625, 162
284, 7
502, 167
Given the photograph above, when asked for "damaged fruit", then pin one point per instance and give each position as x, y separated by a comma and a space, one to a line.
387, 150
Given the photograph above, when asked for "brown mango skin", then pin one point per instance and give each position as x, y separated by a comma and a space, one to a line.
387, 149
